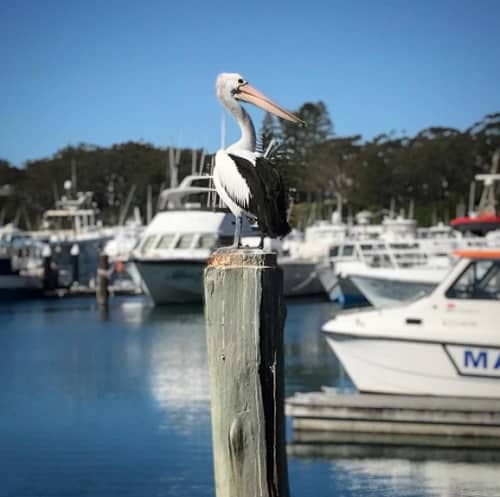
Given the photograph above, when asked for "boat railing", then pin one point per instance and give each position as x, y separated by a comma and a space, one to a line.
381, 253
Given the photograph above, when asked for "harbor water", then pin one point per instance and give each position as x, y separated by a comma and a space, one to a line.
117, 405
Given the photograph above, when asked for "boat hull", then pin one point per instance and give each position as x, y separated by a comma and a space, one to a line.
350, 294
339, 289
181, 281
300, 278
88, 258
170, 282
407, 367
16, 286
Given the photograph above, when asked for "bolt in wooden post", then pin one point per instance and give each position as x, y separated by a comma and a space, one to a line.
245, 314
102, 281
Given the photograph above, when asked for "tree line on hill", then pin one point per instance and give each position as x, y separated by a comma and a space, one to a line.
433, 170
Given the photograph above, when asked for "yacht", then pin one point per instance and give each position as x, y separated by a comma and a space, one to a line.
445, 344
173, 251
387, 286
300, 254
169, 259
380, 272
74, 221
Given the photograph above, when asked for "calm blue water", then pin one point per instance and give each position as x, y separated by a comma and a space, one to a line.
118, 406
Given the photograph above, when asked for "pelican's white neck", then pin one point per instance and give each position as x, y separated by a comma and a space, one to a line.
247, 140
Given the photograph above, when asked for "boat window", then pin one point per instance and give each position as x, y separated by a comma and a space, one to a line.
207, 241
364, 246
480, 280
348, 250
148, 243
165, 241
184, 241
334, 252
224, 241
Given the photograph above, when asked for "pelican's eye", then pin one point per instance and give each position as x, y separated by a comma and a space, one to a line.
241, 82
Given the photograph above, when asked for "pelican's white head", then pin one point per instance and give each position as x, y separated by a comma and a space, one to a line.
231, 87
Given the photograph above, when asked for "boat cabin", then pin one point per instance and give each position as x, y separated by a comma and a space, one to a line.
379, 253
480, 279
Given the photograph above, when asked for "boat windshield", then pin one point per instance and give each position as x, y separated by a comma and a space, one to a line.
480, 280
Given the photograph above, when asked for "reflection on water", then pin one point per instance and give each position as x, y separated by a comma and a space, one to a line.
400, 478
120, 407
309, 363
100, 408
178, 377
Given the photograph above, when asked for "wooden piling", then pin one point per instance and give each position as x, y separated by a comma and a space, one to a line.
245, 313
102, 281
48, 273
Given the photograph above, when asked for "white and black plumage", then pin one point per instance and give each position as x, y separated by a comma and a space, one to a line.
245, 180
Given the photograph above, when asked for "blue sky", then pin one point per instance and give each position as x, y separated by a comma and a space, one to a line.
104, 72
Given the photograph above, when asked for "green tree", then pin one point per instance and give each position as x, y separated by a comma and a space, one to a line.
269, 131
299, 142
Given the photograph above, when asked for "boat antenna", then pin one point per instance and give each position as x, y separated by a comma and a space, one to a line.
202, 161
73, 174
174, 155
149, 205
194, 156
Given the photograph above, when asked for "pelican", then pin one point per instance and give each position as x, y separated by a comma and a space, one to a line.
244, 179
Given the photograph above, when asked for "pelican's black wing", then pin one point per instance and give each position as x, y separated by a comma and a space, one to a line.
269, 197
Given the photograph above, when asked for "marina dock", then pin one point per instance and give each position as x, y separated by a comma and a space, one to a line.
322, 420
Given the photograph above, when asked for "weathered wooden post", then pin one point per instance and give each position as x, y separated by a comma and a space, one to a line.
245, 314
102, 281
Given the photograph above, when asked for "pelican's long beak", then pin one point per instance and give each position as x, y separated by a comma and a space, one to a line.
250, 94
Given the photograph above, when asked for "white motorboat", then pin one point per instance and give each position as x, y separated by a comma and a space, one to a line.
366, 244
299, 255
445, 344
20, 265
173, 251
375, 263
383, 287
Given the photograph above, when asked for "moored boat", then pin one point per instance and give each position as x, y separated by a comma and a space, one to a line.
20, 265
445, 344
384, 287
74, 221
174, 248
